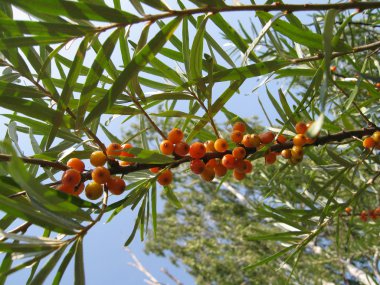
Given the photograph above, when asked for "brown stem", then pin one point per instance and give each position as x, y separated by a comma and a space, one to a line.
41, 162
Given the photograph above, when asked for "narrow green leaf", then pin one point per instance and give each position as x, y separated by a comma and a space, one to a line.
154, 208
196, 52
65, 262
67, 91
94, 74
159, 5
15, 42
172, 197
147, 156
286, 236
270, 258
136, 64
79, 276
76, 10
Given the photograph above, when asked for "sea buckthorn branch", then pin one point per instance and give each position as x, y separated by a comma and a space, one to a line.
117, 169
41, 162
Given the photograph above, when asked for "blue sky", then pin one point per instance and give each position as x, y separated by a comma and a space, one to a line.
106, 260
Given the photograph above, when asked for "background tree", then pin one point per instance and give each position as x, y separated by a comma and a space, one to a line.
293, 212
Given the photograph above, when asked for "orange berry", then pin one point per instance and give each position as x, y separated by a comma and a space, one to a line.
100, 175
221, 145
248, 166
369, 143
364, 216
93, 190
220, 170
270, 158
197, 166
98, 158
239, 126
228, 161
165, 178
348, 210
212, 163
154, 169
239, 165
78, 189
181, 149
251, 140
125, 163
286, 153
332, 68
210, 146
377, 212
166, 147
377, 85
208, 173
175, 135
299, 140
297, 152
71, 177
67, 188
239, 152
114, 149
281, 139
197, 150
301, 128
124, 151
295, 160
238, 175
116, 185
376, 136
236, 136
266, 138
76, 164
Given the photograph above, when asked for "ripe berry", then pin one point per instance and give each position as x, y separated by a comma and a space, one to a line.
238, 175
251, 140
376, 137
236, 136
166, 147
154, 169
364, 216
239, 152
116, 185
297, 152
286, 153
208, 174
76, 164
197, 166
98, 158
113, 149
348, 210
281, 139
221, 145
248, 166
228, 161
270, 158
165, 178
124, 150
220, 170
295, 160
93, 190
299, 140
197, 150
369, 142
175, 135
212, 163
78, 189
239, 126
181, 149
100, 175
210, 146
301, 128
69, 189
71, 177
332, 68
266, 138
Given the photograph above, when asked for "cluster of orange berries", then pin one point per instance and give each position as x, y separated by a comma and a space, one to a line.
366, 214
71, 181
372, 141
295, 154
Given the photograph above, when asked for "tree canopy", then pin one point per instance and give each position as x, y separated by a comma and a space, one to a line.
308, 212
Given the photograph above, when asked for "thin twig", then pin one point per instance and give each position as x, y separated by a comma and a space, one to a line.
41, 162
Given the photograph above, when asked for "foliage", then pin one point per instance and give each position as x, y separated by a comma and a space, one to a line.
175, 69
